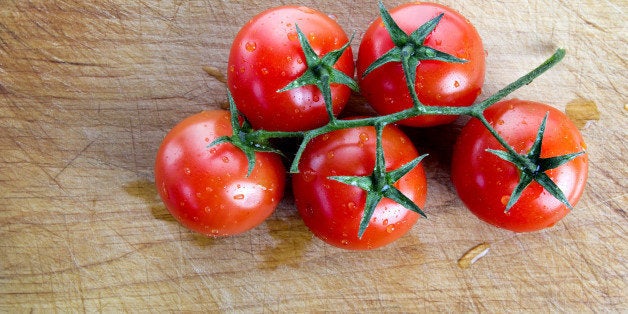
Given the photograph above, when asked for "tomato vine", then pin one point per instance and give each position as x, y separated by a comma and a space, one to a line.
409, 51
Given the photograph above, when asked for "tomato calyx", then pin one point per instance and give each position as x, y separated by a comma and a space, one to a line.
244, 137
410, 50
380, 183
321, 72
532, 167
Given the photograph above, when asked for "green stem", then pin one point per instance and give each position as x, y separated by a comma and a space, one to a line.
476, 111
524, 80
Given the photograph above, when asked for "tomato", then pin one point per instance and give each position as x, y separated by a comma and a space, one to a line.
437, 83
485, 182
207, 188
333, 210
266, 55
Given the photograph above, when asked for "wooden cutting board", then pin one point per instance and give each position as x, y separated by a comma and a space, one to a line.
89, 88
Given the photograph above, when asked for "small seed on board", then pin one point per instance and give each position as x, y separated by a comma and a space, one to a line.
473, 255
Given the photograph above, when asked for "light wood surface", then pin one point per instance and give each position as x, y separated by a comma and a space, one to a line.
89, 88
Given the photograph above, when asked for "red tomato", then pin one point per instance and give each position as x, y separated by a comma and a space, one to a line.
206, 188
485, 182
266, 55
438, 83
333, 210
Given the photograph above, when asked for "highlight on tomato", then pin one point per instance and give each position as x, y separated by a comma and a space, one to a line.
531, 187
441, 50
267, 56
208, 189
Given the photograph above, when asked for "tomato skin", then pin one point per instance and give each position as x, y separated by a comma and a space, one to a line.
485, 182
437, 83
333, 210
207, 189
266, 55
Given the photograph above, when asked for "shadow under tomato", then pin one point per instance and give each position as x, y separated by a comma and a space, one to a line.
438, 142
146, 191
290, 234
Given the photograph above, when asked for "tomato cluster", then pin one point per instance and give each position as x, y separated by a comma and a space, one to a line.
357, 181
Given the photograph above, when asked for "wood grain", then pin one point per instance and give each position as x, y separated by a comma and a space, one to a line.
89, 89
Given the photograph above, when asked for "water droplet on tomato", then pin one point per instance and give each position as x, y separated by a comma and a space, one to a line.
309, 210
308, 175
344, 242
292, 36
187, 170
505, 199
208, 209
164, 190
385, 222
316, 98
250, 46
330, 155
390, 228
456, 84
351, 206
225, 159
238, 197
212, 150
364, 137
264, 71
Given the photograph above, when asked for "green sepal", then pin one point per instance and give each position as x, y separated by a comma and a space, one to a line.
321, 72
380, 183
396, 175
410, 49
317, 66
365, 183
372, 199
244, 137
532, 168
396, 195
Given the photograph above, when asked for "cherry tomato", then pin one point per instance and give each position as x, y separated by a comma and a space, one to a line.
207, 188
333, 210
485, 182
266, 55
437, 83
